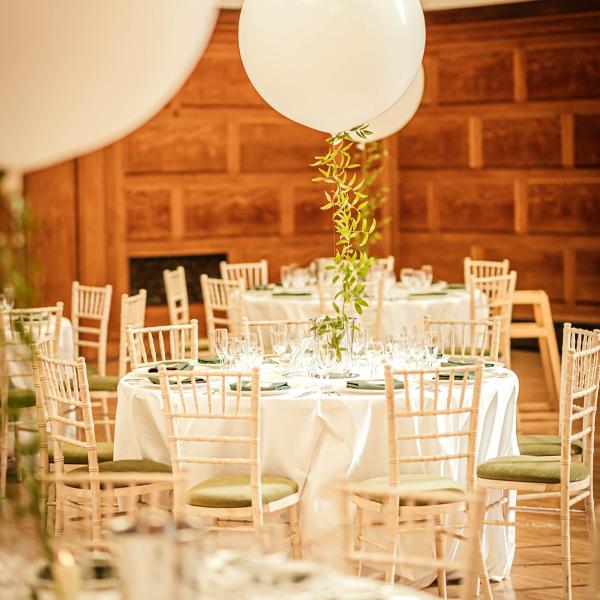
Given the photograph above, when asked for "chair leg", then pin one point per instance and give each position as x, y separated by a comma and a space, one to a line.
358, 529
390, 572
590, 515
59, 513
295, 533
18, 472
565, 544
483, 574
439, 554
3, 458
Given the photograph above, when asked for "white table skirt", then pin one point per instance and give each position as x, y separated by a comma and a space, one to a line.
319, 439
396, 314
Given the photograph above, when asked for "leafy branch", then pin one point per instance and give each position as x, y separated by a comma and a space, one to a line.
347, 199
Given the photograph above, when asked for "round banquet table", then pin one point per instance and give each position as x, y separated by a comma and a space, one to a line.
320, 436
398, 311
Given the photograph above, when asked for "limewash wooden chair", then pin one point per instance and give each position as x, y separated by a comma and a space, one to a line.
254, 274
177, 296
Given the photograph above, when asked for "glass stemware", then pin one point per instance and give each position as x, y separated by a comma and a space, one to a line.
286, 276
279, 340
359, 339
220, 337
7, 298
375, 354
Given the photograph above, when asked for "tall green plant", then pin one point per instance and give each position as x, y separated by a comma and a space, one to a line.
347, 200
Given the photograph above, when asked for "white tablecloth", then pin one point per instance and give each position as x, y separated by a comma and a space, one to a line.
396, 313
319, 438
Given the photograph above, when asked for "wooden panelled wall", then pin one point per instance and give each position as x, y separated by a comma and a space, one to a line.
502, 159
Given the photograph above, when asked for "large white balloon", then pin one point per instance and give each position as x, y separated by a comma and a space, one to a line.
400, 114
331, 64
78, 74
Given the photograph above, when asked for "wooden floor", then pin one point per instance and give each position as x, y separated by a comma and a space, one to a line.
536, 572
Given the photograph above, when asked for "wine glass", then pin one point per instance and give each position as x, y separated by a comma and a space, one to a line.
407, 277
7, 297
220, 337
286, 276
375, 353
279, 340
359, 339
428, 273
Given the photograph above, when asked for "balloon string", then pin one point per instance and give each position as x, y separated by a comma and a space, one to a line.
12, 183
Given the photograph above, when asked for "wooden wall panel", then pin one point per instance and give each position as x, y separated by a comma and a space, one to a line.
587, 278
413, 197
308, 216
587, 140
148, 213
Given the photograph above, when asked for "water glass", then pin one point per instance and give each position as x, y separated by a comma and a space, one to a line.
220, 337
7, 298
375, 353
300, 278
428, 273
359, 339
279, 341
286, 276
407, 277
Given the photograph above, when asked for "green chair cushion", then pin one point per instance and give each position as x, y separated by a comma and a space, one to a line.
413, 483
103, 383
531, 469
233, 491
76, 455
545, 445
91, 370
20, 398
143, 465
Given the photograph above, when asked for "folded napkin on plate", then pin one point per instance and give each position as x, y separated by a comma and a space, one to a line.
416, 294
457, 376
291, 294
209, 360
259, 288
456, 286
264, 387
372, 384
463, 362
173, 365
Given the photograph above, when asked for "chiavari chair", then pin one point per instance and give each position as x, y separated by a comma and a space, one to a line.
67, 400
297, 328
199, 410
177, 296
20, 329
386, 263
494, 294
465, 339
223, 305
254, 274
536, 478
133, 314
484, 268
421, 401
151, 345
414, 514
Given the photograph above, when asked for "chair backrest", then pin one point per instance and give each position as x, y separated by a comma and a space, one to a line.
298, 328
254, 274
151, 345
223, 305
67, 401
372, 315
133, 314
90, 312
484, 268
465, 338
386, 263
429, 524
193, 407
579, 394
414, 426
177, 296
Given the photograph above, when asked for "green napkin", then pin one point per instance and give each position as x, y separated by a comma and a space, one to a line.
173, 365
258, 288
417, 294
463, 362
209, 360
457, 376
291, 294
372, 384
456, 286
264, 387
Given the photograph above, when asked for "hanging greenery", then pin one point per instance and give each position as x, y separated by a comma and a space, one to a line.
347, 199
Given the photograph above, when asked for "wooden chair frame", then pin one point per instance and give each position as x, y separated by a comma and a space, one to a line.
226, 298
202, 405
465, 338
133, 314
66, 395
254, 274
151, 345
443, 402
259, 326
428, 523
177, 296
499, 291
579, 400
484, 268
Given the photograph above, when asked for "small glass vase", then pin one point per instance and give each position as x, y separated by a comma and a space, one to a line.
336, 358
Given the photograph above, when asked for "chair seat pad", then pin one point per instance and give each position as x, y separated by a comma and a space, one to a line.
530, 469
20, 398
103, 383
413, 483
143, 465
76, 455
233, 491
545, 445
